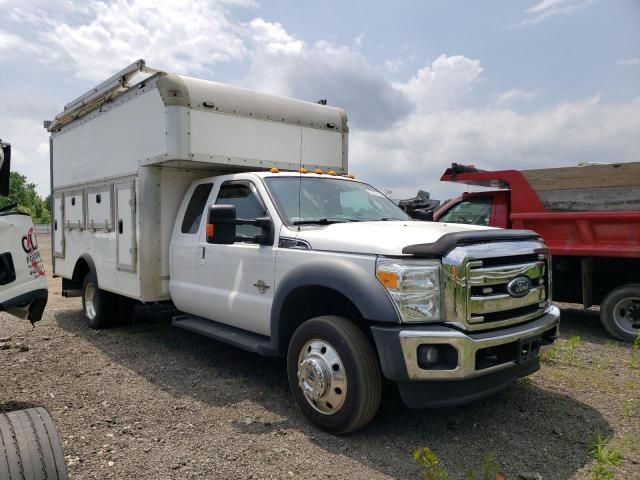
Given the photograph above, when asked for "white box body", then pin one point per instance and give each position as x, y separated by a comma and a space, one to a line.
120, 171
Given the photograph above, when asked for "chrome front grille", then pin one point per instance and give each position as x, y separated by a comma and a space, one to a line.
476, 284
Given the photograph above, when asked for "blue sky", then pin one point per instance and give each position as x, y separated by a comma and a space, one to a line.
501, 84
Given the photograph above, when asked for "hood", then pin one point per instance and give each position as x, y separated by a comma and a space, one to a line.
377, 238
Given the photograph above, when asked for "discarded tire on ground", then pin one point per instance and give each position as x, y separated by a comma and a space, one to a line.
30, 448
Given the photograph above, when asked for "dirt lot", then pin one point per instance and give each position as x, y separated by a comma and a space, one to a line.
147, 401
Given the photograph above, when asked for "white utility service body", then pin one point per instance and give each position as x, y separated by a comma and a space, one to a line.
235, 205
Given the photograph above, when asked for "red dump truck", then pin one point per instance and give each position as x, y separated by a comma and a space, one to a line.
588, 216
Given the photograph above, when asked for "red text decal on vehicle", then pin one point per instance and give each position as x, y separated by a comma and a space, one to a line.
34, 260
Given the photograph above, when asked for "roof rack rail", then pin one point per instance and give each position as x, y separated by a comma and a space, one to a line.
115, 85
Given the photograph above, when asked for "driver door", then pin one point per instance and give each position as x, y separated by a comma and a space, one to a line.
237, 280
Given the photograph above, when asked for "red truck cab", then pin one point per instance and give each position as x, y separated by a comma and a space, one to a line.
489, 208
589, 217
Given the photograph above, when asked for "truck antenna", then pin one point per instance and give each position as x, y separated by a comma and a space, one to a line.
300, 185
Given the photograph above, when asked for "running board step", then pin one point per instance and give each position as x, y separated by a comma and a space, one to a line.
231, 335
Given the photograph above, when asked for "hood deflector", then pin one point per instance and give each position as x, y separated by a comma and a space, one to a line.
449, 241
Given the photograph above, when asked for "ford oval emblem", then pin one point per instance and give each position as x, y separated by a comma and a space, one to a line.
519, 287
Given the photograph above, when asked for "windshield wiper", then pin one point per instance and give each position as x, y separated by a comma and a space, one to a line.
323, 221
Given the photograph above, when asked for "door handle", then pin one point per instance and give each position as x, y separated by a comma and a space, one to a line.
203, 252
120, 226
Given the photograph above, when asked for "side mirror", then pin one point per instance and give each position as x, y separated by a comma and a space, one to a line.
5, 168
221, 227
424, 215
221, 224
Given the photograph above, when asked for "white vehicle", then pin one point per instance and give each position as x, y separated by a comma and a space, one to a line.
23, 286
236, 206
30, 446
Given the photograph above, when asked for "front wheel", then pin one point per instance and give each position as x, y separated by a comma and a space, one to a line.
620, 312
334, 374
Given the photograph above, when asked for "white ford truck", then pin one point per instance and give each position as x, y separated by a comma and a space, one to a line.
237, 207
23, 286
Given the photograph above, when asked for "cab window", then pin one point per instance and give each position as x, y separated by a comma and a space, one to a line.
248, 205
195, 209
474, 211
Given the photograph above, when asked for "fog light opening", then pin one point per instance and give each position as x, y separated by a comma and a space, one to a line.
437, 357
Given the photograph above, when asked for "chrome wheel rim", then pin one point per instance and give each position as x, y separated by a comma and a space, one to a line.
89, 301
626, 315
321, 377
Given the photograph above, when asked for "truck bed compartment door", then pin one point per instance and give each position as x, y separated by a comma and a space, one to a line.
58, 225
125, 226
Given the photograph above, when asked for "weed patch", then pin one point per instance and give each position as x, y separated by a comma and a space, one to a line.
429, 464
606, 456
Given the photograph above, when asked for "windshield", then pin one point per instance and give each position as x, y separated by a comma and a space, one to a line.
329, 200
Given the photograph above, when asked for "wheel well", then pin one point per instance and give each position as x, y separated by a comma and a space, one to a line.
305, 303
79, 272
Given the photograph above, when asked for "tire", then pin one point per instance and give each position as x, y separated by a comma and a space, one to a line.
97, 304
620, 312
30, 448
350, 395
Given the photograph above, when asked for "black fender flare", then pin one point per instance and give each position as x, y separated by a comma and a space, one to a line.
361, 287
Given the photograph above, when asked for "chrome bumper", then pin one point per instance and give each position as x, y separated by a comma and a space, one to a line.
468, 344
398, 348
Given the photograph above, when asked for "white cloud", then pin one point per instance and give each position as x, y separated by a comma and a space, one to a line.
288, 66
416, 152
273, 38
515, 95
549, 8
403, 134
394, 65
445, 85
95, 39
8, 41
629, 61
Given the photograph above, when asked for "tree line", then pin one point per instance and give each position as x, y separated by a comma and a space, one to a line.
24, 195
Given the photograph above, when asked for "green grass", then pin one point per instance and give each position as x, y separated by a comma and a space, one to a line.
564, 351
606, 456
634, 362
429, 464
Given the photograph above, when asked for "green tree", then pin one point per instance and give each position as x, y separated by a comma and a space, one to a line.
24, 194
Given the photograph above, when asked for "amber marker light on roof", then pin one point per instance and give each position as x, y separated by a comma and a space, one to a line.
304, 170
318, 171
275, 170
350, 175
332, 172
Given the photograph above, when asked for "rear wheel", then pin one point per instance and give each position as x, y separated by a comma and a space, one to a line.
30, 447
97, 304
334, 374
620, 312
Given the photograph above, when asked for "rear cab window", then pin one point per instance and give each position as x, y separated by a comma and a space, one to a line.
195, 209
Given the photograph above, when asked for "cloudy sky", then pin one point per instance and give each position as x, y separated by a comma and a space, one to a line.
500, 84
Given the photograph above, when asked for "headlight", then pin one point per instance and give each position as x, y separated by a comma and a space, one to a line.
414, 286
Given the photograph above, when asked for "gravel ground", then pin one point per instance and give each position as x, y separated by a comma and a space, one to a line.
147, 401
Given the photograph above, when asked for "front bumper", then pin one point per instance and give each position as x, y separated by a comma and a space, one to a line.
28, 306
479, 354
